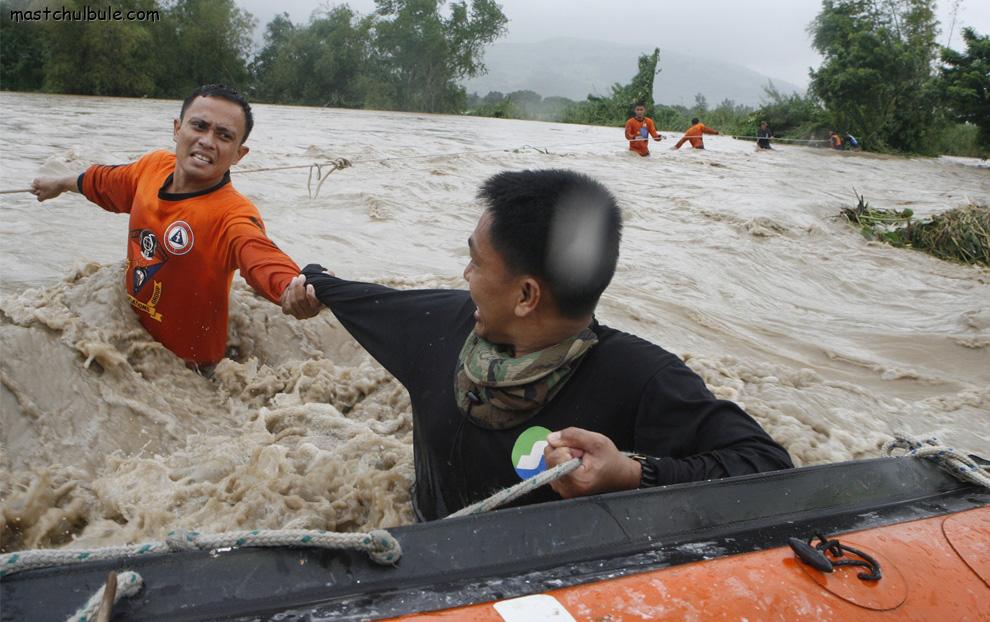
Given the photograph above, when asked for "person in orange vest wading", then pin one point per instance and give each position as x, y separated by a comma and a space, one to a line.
639, 129
694, 135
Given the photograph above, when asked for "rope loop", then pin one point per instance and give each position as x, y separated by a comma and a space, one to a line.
383, 548
960, 465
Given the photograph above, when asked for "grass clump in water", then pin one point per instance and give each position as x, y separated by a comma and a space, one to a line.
960, 234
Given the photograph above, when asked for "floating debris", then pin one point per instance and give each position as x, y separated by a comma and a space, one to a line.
960, 234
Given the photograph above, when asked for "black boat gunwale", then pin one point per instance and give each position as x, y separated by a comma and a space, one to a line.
511, 552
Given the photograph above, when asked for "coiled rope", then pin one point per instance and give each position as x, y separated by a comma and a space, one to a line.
960, 465
380, 545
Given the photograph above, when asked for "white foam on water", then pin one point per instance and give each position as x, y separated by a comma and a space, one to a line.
731, 258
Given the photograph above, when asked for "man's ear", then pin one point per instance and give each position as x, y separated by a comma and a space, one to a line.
176, 124
241, 152
528, 298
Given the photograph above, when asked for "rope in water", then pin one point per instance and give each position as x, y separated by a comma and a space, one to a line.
957, 463
125, 584
380, 545
342, 163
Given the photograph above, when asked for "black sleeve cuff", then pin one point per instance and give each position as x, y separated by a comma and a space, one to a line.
79, 182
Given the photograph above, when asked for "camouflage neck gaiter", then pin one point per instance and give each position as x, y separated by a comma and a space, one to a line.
500, 391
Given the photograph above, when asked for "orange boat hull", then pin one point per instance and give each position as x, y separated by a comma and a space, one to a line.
936, 569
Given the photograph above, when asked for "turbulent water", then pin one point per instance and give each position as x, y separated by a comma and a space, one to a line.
732, 259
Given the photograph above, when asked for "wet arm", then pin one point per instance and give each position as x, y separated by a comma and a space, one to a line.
262, 264
404, 330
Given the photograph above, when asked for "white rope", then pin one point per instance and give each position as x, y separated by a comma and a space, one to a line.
129, 583
955, 462
380, 545
341, 163
513, 492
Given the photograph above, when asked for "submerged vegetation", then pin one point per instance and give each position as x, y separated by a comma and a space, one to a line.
960, 234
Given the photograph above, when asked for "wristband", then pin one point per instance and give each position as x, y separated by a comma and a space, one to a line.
649, 473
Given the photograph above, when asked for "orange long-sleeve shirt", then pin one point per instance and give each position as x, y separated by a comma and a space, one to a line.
182, 252
634, 129
693, 134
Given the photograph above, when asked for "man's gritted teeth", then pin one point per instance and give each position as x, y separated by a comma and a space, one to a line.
201, 157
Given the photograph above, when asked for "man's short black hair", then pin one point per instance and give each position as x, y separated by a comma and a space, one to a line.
639, 104
224, 92
559, 226
694, 121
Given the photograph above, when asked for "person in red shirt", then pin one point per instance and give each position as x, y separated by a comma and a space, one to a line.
638, 130
189, 228
694, 134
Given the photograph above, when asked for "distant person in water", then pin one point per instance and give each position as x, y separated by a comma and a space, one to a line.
639, 129
834, 140
851, 143
189, 229
763, 136
694, 135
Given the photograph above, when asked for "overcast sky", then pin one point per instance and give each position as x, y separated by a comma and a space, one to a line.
768, 36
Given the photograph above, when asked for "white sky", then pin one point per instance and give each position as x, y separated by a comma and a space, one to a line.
768, 36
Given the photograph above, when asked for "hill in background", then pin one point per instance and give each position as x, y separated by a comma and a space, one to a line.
575, 68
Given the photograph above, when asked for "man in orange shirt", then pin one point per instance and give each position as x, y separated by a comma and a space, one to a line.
834, 140
694, 134
189, 229
638, 130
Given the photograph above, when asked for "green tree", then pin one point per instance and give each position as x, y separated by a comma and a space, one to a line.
322, 64
877, 77
22, 50
101, 57
966, 81
617, 108
421, 55
202, 42
791, 116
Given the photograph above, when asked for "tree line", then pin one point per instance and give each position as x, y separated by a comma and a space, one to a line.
884, 78
406, 55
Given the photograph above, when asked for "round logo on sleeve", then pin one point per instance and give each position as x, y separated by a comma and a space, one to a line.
527, 453
179, 238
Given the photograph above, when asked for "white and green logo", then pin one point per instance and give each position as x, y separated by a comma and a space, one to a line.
527, 453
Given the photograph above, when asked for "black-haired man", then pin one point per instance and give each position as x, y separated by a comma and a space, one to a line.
516, 375
694, 135
189, 229
763, 136
639, 129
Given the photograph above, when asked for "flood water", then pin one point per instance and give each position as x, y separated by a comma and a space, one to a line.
733, 259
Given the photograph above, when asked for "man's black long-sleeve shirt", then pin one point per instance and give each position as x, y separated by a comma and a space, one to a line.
639, 395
